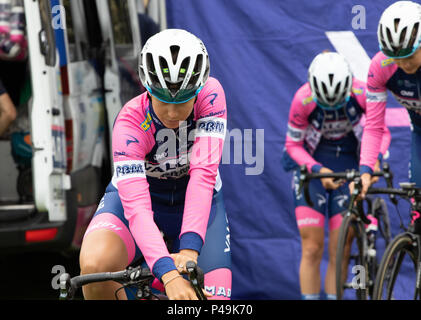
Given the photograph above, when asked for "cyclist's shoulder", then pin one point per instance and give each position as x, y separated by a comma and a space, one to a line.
381, 66
359, 87
212, 87
211, 99
135, 108
135, 115
303, 99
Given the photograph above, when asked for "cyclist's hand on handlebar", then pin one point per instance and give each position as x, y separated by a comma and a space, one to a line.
366, 181
181, 258
177, 288
376, 169
329, 183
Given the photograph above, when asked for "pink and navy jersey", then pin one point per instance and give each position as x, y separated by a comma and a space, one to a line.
151, 159
311, 127
385, 75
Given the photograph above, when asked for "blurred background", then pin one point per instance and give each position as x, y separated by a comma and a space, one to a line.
81, 67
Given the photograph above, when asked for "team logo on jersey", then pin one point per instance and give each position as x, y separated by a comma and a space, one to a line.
307, 100
129, 169
132, 140
211, 127
146, 124
386, 62
295, 134
213, 96
407, 93
357, 91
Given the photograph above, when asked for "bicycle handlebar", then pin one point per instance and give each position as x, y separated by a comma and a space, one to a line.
68, 285
407, 190
348, 175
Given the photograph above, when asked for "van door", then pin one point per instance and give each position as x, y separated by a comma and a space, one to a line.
120, 31
46, 113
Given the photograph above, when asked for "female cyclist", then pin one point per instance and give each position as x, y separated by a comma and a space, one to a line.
167, 144
323, 133
395, 68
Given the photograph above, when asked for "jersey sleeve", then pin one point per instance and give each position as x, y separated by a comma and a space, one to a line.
206, 154
297, 127
362, 101
374, 129
130, 146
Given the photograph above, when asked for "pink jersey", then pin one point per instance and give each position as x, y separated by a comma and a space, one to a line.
147, 154
308, 125
385, 75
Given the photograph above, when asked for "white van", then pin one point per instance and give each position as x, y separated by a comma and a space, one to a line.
83, 68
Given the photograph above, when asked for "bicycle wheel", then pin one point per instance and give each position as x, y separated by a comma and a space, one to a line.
397, 271
351, 245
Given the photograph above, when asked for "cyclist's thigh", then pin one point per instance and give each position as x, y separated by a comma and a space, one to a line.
110, 216
337, 203
415, 163
215, 256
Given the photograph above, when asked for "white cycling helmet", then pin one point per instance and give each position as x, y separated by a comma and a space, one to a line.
399, 30
174, 66
330, 79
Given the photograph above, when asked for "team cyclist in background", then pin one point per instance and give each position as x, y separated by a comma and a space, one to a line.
395, 68
167, 145
324, 132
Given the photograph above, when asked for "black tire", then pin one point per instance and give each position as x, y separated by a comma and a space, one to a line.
353, 228
390, 265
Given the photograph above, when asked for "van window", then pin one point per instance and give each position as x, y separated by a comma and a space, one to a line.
46, 36
121, 22
73, 38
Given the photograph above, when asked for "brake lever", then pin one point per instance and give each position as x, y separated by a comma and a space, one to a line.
303, 184
355, 193
196, 277
302, 178
388, 176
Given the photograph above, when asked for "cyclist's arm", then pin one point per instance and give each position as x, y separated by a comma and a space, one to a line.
204, 161
297, 127
130, 145
360, 94
374, 130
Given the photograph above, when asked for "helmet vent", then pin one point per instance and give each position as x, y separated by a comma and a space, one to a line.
389, 35
152, 71
346, 82
396, 24
338, 86
316, 88
331, 78
402, 37
384, 45
174, 53
325, 92
413, 35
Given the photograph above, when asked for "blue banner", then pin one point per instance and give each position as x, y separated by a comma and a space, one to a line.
260, 52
